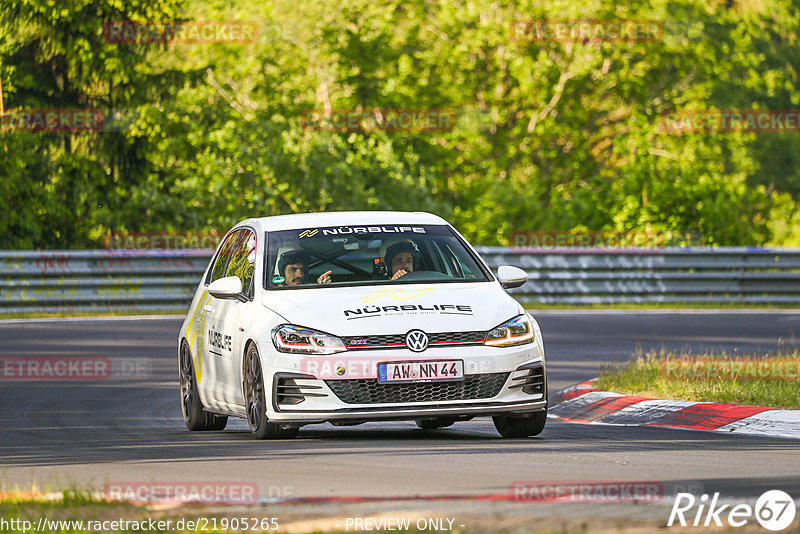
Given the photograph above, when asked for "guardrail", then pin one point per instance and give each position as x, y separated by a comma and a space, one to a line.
133, 281
99, 280
715, 275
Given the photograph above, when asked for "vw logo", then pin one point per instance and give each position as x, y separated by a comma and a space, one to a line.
417, 340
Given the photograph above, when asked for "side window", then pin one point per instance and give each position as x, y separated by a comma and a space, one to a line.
221, 263
243, 260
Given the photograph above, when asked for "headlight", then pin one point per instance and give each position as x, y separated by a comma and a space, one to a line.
517, 331
297, 340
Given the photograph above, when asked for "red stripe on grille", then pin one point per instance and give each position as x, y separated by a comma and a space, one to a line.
386, 345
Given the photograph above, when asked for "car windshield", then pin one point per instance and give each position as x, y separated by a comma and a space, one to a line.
368, 255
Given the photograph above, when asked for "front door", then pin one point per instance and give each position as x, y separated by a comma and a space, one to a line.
217, 342
233, 317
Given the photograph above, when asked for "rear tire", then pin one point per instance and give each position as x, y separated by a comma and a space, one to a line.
432, 424
520, 427
195, 417
256, 400
218, 422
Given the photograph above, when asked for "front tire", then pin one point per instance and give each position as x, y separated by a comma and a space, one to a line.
432, 424
194, 416
256, 400
520, 427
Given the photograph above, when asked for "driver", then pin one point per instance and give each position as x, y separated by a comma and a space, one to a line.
401, 258
293, 267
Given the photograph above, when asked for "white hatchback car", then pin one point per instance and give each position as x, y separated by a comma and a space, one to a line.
352, 317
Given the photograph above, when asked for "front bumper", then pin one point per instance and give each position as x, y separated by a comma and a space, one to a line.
502, 382
405, 413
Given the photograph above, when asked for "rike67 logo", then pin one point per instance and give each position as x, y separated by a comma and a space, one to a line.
774, 510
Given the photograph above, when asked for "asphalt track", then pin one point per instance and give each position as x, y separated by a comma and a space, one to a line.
86, 434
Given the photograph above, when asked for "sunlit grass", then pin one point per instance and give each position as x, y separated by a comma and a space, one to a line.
752, 379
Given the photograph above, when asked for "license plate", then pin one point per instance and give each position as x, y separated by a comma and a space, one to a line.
439, 371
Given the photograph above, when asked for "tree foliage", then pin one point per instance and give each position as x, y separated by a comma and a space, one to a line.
550, 134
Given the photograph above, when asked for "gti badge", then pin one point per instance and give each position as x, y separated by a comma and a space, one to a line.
417, 340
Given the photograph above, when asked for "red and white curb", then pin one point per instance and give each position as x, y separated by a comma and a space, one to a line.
582, 403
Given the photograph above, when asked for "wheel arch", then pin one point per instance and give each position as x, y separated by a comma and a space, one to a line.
180, 348
246, 347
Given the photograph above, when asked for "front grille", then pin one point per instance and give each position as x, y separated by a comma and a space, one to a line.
482, 386
369, 342
457, 337
390, 341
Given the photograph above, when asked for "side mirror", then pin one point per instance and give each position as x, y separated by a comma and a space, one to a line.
229, 288
511, 277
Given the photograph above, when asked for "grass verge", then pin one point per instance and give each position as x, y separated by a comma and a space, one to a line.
771, 380
20, 512
75, 512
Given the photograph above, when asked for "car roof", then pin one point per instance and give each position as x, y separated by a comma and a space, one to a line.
340, 218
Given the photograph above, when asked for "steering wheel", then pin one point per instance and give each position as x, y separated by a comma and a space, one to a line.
424, 275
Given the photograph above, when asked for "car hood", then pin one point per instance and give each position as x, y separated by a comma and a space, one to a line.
353, 311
